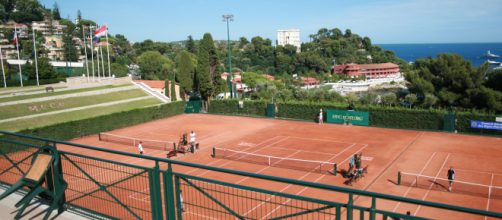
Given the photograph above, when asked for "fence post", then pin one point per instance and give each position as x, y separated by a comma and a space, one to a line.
168, 192
179, 198
58, 180
399, 178
155, 199
349, 206
372, 209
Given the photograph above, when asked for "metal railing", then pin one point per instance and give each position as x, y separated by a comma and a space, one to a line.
117, 189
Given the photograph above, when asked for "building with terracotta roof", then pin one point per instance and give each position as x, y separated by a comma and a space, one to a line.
371, 71
310, 81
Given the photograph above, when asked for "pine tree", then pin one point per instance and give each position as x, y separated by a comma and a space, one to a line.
191, 45
55, 12
166, 87
173, 88
186, 72
203, 73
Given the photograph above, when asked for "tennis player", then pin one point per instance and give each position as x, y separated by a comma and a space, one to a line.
451, 177
192, 141
140, 147
352, 161
320, 117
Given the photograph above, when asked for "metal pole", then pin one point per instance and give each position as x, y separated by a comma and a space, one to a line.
102, 62
229, 18
92, 52
36, 62
3, 70
18, 57
97, 58
108, 53
85, 50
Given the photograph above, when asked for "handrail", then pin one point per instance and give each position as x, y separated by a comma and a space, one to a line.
278, 179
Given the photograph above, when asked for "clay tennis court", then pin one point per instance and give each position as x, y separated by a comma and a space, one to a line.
476, 159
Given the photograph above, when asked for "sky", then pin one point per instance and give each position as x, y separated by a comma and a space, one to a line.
384, 21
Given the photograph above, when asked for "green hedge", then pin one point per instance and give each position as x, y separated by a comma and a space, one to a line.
31, 82
305, 110
380, 116
464, 123
74, 129
231, 107
394, 117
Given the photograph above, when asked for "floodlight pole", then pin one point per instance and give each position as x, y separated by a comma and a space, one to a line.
228, 18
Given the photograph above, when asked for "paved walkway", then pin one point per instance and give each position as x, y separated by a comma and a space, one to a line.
8, 211
76, 109
80, 94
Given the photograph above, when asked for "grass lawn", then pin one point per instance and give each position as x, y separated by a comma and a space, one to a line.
74, 115
11, 111
23, 97
8, 90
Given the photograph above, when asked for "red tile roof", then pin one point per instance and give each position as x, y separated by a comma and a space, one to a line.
156, 84
310, 80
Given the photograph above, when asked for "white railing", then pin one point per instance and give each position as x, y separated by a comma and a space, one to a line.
152, 92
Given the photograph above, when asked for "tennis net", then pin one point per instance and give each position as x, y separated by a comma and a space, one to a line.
146, 143
273, 161
442, 184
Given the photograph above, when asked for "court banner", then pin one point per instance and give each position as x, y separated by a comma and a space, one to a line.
347, 117
486, 125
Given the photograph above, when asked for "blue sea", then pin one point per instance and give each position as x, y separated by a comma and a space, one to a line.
470, 51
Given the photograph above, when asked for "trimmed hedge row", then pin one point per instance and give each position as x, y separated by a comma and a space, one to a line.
231, 107
389, 117
464, 123
32, 82
79, 128
421, 119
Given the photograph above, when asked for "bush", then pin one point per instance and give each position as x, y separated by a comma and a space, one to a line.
397, 117
464, 123
32, 82
231, 107
305, 110
74, 129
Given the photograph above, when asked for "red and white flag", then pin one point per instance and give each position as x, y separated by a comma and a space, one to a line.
14, 39
101, 31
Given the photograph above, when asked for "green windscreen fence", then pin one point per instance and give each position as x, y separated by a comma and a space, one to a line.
347, 117
193, 106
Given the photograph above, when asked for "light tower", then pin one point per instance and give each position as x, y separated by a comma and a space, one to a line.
228, 18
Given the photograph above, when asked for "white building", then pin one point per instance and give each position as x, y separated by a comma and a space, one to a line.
289, 36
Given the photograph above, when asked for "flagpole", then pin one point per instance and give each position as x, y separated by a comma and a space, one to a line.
3, 70
92, 52
102, 61
97, 58
85, 50
108, 53
35, 50
18, 57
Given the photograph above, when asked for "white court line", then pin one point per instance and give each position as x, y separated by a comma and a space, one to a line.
129, 161
315, 181
409, 187
218, 159
228, 162
476, 171
306, 151
489, 195
326, 140
193, 213
432, 184
259, 171
302, 177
